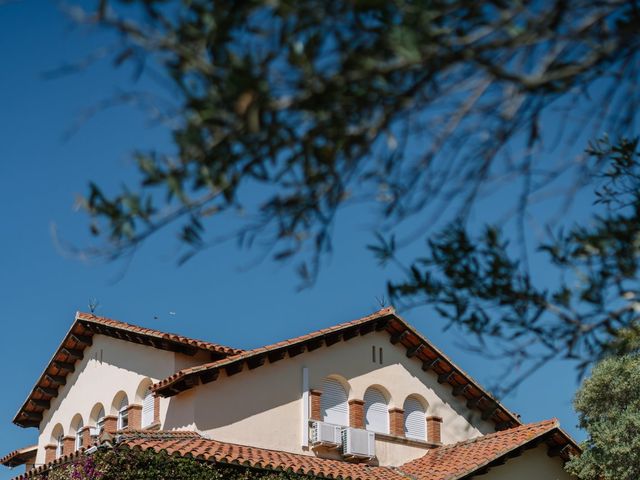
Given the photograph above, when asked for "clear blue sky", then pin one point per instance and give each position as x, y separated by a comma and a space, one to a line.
213, 296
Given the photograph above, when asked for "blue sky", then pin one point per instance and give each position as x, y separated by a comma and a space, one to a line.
216, 296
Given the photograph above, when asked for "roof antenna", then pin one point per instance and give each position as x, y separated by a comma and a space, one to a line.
93, 304
382, 301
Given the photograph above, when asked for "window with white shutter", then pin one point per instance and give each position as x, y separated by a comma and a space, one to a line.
123, 413
97, 430
415, 423
59, 445
147, 409
333, 403
78, 440
376, 411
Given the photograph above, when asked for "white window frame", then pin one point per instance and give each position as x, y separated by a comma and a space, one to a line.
78, 440
59, 445
123, 414
97, 430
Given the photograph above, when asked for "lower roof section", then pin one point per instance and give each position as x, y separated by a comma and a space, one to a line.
20, 456
451, 462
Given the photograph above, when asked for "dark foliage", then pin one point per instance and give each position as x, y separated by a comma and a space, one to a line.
122, 463
319, 104
592, 310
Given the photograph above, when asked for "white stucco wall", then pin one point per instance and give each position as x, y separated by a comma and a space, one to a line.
108, 367
263, 407
533, 464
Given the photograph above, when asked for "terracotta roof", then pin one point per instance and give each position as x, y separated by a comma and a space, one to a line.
229, 453
80, 336
88, 318
452, 462
386, 319
20, 456
191, 444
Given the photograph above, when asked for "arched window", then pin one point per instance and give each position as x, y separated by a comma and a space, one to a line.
334, 406
97, 420
100, 420
57, 436
415, 423
59, 445
123, 413
376, 412
147, 409
76, 426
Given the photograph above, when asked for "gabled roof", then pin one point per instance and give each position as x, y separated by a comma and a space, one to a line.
80, 337
450, 462
400, 333
457, 461
20, 456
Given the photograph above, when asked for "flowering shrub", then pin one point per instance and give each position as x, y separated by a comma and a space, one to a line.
121, 463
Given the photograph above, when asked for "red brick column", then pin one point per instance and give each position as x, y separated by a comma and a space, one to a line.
85, 432
68, 445
49, 453
110, 423
156, 409
396, 422
356, 413
434, 427
135, 416
315, 412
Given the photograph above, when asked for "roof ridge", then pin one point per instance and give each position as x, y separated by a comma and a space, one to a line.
84, 316
157, 434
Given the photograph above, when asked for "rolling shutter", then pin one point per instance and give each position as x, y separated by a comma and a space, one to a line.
59, 446
78, 440
376, 411
123, 414
415, 424
99, 423
147, 409
333, 403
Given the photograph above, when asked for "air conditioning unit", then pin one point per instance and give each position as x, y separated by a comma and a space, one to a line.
325, 434
358, 443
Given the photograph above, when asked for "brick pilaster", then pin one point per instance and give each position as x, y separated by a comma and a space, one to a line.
315, 412
356, 413
156, 409
396, 422
49, 453
85, 432
135, 416
434, 427
110, 423
68, 445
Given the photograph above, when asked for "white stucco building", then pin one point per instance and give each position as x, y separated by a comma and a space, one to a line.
371, 398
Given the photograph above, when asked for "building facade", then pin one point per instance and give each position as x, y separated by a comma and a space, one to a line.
360, 399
